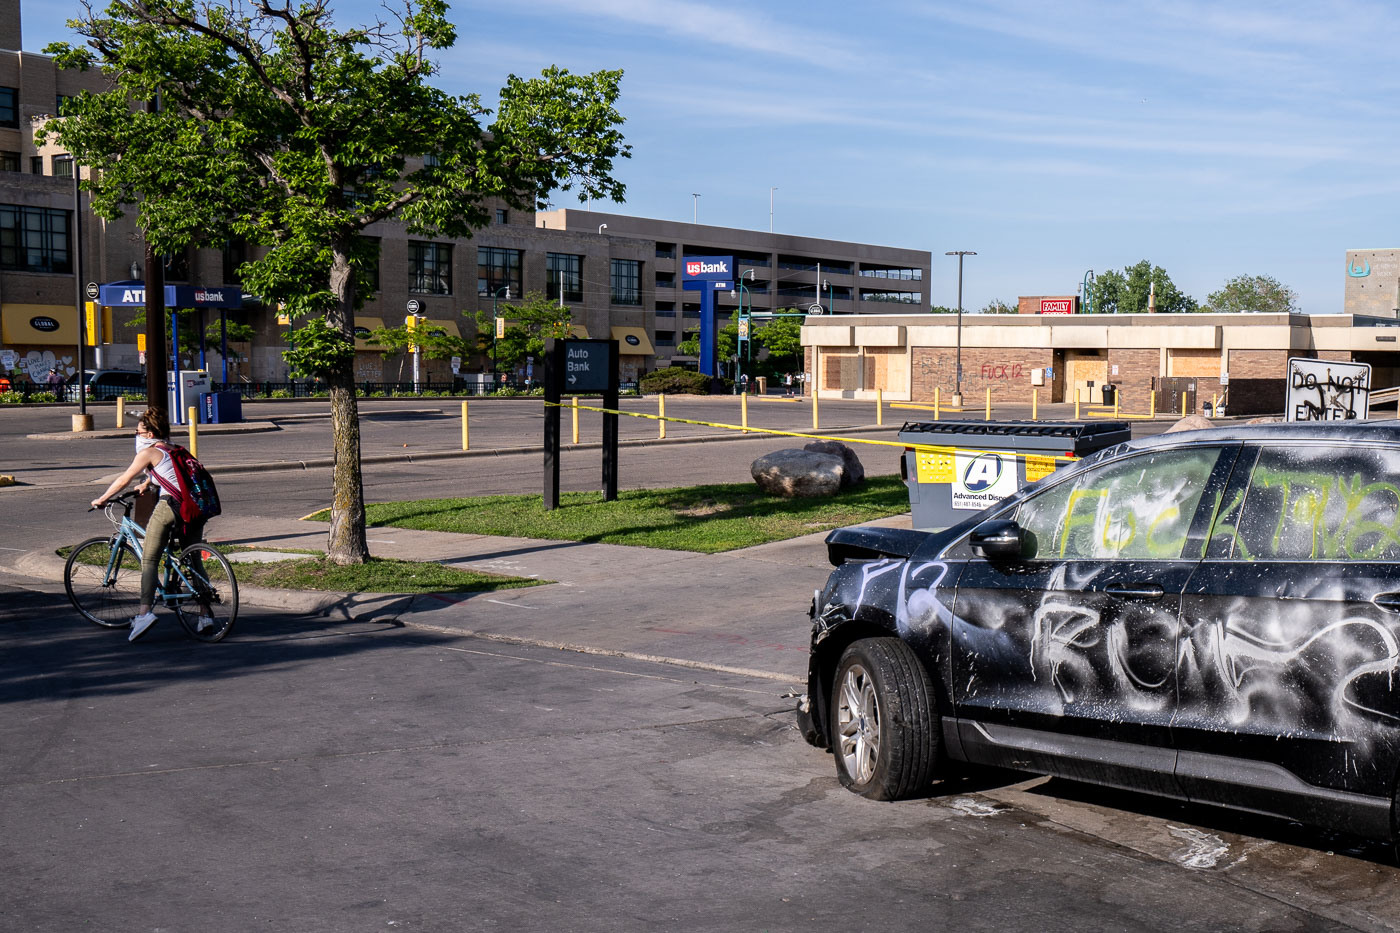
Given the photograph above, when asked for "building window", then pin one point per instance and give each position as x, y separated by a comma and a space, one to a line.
892, 272
36, 165
665, 338
235, 255
566, 270
9, 106
626, 282
177, 266
431, 160
62, 166
502, 215
665, 251
60, 104
9, 161
34, 239
908, 298
665, 280
371, 262
497, 269
430, 268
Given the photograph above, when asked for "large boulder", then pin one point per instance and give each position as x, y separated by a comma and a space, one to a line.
1192, 423
790, 473
855, 472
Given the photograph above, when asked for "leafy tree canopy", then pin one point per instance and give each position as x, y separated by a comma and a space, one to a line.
278, 126
1126, 292
1258, 294
997, 306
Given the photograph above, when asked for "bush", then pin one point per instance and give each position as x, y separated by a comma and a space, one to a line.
675, 381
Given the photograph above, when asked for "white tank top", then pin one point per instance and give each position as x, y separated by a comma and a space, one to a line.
166, 470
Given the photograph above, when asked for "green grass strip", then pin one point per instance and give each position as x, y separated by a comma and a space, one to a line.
704, 519
379, 575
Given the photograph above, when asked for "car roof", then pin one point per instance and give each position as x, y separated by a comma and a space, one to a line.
1336, 431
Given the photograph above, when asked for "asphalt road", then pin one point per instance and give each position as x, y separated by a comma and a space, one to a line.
316, 777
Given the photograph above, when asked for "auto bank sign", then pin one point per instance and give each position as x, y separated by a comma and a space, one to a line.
708, 269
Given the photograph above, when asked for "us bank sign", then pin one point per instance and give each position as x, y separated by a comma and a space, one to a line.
708, 269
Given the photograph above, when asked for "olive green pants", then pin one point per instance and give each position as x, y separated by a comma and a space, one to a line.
159, 528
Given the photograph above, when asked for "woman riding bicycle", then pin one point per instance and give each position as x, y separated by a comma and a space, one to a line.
152, 429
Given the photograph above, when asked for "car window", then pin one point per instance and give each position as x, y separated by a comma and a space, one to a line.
1320, 503
1137, 507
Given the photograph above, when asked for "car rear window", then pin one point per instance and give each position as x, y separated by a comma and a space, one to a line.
1321, 503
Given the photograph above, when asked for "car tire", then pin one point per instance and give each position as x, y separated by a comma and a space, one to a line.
884, 725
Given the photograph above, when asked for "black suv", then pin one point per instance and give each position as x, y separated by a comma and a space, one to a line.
107, 384
1209, 615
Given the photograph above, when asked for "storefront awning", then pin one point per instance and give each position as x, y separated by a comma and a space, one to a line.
633, 341
438, 328
45, 325
363, 325
579, 331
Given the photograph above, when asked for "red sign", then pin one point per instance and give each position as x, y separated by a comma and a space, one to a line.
1057, 305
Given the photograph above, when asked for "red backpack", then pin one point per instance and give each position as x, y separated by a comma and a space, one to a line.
196, 499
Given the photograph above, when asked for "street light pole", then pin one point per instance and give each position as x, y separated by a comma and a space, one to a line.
695, 208
771, 189
957, 378
495, 328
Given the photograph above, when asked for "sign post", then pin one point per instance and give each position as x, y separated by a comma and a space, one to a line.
579, 366
1325, 390
707, 274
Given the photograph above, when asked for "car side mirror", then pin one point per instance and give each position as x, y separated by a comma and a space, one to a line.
998, 539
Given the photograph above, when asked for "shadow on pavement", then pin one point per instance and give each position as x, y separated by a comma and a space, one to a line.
51, 653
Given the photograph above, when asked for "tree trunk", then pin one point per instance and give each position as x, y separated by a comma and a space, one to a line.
157, 390
347, 535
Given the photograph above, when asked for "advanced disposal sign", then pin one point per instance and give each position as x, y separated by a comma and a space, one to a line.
982, 478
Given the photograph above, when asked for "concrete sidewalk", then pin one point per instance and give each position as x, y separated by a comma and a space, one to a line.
743, 611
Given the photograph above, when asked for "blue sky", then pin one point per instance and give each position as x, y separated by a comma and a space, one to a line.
1214, 139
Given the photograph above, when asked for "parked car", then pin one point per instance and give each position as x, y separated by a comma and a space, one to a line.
107, 384
1211, 615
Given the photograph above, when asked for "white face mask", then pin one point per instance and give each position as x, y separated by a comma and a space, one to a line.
143, 442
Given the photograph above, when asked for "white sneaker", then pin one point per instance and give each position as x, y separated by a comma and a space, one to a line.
203, 624
139, 625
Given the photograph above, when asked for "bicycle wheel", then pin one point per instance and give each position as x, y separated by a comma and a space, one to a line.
208, 614
107, 592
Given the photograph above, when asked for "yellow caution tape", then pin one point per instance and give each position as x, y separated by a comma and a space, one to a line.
1043, 464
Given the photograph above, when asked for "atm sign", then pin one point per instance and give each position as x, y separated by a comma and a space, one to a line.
1057, 305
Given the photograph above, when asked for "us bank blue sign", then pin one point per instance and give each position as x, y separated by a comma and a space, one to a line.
708, 269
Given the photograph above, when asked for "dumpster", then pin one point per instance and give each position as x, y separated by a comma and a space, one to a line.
988, 461
221, 407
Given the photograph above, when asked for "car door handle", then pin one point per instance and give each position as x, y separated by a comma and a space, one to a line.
1141, 590
1389, 601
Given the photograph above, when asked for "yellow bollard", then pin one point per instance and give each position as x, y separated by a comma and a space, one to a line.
880, 407
744, 411
816, 382
1076, 404
661, 413
935, 403
194, 432
574, 402
121, 411
1116, 397
1183, 404
1035, 404
466, 434
1152, 404
989, 403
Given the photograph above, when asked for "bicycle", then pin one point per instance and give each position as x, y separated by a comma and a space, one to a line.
103, 578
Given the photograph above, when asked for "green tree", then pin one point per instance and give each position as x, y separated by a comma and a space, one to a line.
997, 306
782, 338
1259, 294
528, 323
1126, 292
726, 341
943, 309
280, 127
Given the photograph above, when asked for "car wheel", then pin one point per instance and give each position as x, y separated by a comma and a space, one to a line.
884, 727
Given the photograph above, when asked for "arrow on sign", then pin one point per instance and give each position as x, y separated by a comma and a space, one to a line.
572, 378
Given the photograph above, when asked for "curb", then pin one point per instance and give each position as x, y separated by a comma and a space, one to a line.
243, 427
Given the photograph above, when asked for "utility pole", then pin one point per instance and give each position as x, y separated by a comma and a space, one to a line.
695, 208
771, 189
957, 378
